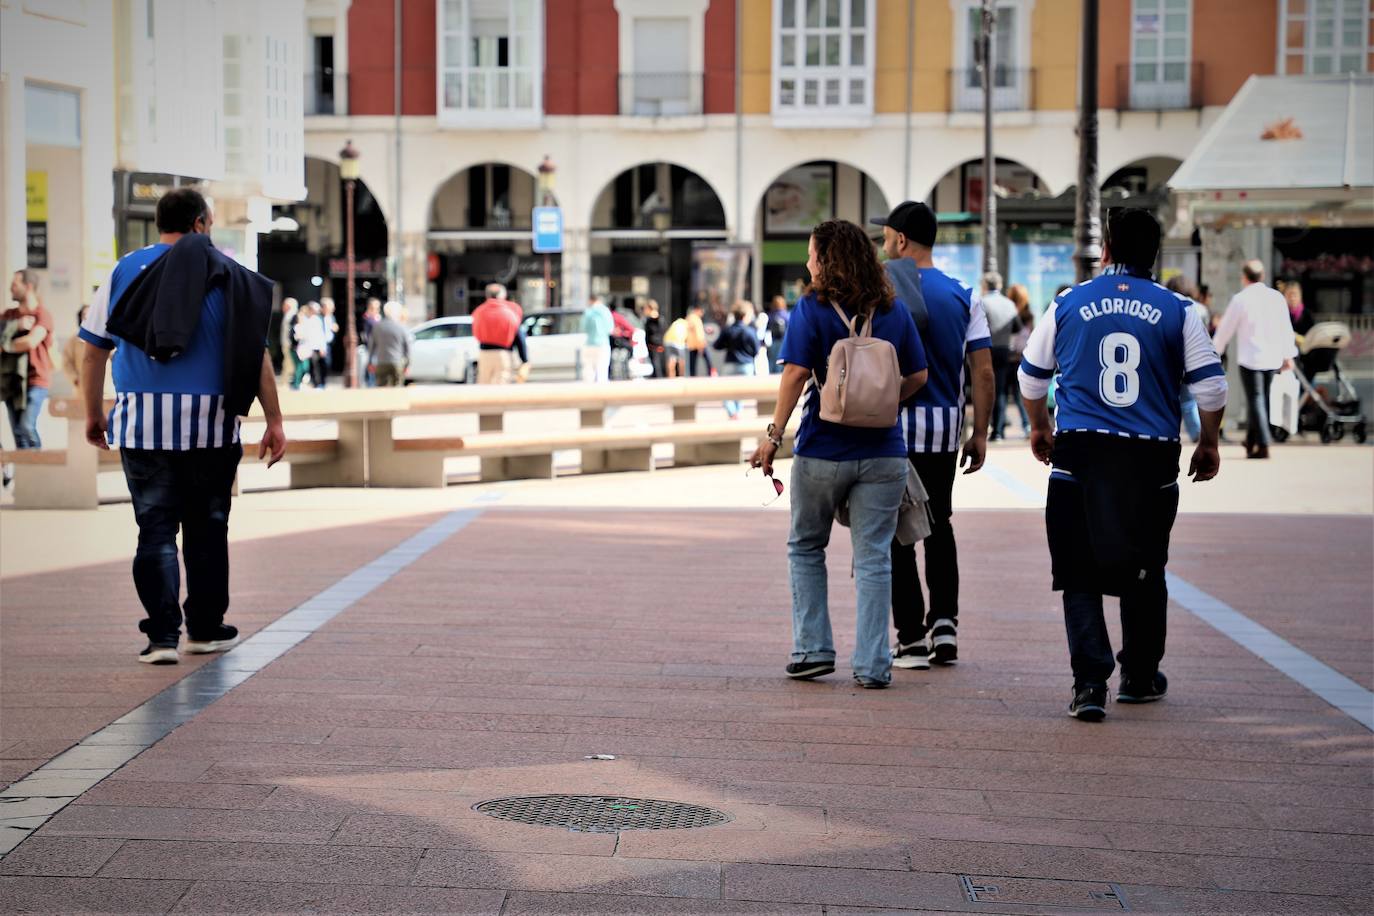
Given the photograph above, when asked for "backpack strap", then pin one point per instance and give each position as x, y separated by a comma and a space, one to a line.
848, 322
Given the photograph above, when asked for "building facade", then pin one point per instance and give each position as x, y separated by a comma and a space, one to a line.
684, 132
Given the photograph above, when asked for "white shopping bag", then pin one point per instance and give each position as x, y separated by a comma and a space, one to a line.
1285, 397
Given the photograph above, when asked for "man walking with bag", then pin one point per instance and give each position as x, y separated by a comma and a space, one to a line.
190, 324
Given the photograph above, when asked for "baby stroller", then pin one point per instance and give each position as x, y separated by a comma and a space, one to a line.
1320, 409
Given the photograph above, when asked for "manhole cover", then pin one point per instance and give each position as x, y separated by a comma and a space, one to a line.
601, 813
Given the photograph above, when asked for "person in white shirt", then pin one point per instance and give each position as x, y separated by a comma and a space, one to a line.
1257, 317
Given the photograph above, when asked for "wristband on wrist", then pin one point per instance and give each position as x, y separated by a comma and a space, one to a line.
774, 435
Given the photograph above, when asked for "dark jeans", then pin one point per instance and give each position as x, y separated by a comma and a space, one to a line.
1256, 383
319, 369
24, 423
1142, 633
1001, 366
657, 361
698, 356
936, 470
190, 491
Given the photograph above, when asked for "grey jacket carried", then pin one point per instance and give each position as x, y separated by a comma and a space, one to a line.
913, 518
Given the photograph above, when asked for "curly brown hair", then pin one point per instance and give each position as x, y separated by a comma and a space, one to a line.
850, 273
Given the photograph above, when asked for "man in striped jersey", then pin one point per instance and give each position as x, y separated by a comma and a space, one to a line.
179, 444
954, 330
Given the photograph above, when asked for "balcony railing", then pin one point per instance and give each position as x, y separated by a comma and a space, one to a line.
1013, 89
1159, 87
660, 95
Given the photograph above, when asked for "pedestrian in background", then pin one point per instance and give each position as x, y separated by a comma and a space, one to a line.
323, 363
495, 325
26, 341
72, 350
835, 464
740, 345
389, 354
932, 430
653, 338
309, 334
1184, 289
675, 348
1298, 313
286, 338
777, 331
1020, 297
698, 354
371, 315
1257, 317
1002, 324
176, 417
597, 325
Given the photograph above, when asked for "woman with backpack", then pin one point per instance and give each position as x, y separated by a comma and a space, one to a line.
863, 358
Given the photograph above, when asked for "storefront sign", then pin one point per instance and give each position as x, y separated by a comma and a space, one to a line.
960, 261
372, 267
36, 217
799, 199
548, 230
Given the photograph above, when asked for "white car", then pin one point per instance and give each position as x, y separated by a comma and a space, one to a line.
554, 340
443, 350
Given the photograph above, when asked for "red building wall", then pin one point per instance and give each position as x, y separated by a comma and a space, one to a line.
581, 57
371, 46
719, 91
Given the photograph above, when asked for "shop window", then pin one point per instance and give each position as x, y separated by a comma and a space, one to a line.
52, 116
490, 61
1161, 54
1322, 37
823, 54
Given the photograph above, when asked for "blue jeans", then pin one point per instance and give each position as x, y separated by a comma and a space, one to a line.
732, 407
24, 422
874, 490
1192, 421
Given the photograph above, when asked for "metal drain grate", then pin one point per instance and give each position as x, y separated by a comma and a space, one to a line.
601, 813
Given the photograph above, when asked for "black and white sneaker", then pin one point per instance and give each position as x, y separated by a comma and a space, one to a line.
1142, 691
221, 638
944, 642
805, 671
1089, 704
869, 683
912, 655
159, 655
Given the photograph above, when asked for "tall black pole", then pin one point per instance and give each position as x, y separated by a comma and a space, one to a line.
989, 21
1088, 225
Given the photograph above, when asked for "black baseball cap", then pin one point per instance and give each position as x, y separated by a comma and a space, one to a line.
912, 219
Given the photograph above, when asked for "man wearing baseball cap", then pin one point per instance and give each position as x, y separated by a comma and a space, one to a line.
953, 328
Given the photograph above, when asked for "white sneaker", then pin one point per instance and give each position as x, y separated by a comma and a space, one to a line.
912, 655
226, 637
159, 655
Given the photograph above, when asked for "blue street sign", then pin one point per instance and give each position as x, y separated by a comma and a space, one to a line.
548, 230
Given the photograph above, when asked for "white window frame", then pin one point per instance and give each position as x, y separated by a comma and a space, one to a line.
1162, 94
1309, 51
694, 11
464, 117
846, 113
1016, 97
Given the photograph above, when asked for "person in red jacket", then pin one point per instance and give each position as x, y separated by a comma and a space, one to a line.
496, 325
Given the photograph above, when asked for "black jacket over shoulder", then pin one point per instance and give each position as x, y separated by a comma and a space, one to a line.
159, 312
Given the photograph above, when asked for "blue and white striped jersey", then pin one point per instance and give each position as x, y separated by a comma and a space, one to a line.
1119, 347
932, 421
176, 405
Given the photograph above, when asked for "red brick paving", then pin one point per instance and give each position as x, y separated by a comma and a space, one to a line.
342, 777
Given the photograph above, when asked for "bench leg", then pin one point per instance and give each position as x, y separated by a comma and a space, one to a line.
699, 453
619, 459
347, 469
388, 467
518, 467
62, 486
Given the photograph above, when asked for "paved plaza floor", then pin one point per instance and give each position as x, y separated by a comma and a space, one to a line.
414, 654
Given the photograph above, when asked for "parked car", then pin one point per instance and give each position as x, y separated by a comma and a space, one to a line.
555, 340
443, 350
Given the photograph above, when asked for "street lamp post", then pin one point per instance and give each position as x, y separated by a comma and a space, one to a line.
348, 171
985, 45
547, 170
1088, 222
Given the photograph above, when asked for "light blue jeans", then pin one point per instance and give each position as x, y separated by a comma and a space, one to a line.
732, 407
1192, 421
874, 489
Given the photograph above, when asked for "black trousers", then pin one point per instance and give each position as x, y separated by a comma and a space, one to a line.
909, 612
1256, 383
190, 491
1001, 367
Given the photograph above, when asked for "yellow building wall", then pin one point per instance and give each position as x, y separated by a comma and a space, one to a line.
893, 29
757, 55
1054, 53
934, 54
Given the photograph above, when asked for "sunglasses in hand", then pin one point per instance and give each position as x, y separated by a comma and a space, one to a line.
777, 487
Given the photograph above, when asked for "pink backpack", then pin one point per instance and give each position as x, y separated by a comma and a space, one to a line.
863, 380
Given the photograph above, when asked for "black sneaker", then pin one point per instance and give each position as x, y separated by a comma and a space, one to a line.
912, 655
1089, 704
944, 642
805, 671
868, 683
218, 640
159, 655
1142, 691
